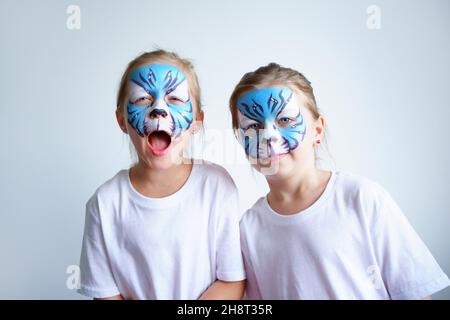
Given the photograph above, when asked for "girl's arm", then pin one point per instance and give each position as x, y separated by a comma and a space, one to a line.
224, 290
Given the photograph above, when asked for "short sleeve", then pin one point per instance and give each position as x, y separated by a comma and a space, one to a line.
230, 266
408, 269
251, 289
97, 280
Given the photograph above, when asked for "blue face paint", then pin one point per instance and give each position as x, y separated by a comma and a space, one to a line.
270, 122
159, 100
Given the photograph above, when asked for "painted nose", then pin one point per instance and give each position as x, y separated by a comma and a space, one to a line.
156, 113
270, 133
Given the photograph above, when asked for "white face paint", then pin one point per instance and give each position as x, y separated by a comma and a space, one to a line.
137, 93
181, 93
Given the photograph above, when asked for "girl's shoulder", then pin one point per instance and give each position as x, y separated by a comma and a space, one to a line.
355, 185
210, 172
253, 213
106, 195
115, 181
364, 196
110, 187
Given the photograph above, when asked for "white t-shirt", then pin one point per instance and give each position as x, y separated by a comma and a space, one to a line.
162, 248
352, 243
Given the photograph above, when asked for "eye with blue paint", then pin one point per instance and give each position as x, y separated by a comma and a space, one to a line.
178, 96
143, 101
254, 126
284, 121
140, 96
281, 122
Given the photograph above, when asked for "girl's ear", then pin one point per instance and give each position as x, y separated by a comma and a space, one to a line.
121, 121
200, 117
319, 129
198, 123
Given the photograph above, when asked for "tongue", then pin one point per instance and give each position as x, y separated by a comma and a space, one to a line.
159, 140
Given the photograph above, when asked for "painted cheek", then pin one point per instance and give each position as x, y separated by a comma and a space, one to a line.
294, 135
182, 116
136, 117
245, 139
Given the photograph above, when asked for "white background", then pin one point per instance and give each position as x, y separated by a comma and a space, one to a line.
385, 94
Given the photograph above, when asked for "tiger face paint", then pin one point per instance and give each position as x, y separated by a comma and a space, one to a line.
159, 100
270, 122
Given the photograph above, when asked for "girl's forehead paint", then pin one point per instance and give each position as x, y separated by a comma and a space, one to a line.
263, 104
261, 94
157, 76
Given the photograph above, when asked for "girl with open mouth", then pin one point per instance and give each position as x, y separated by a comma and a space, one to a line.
168, 227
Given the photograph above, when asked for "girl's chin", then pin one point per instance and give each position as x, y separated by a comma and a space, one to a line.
269, 160
160, 162
270, 166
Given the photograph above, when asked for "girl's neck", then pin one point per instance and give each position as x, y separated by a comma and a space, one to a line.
158, 183
297, 191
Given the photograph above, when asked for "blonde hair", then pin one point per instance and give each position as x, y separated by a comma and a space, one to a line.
273, 74
166, 57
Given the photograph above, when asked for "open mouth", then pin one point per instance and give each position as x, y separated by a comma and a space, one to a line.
159, 142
